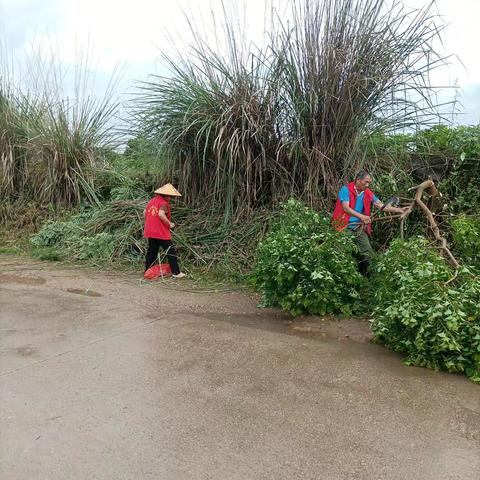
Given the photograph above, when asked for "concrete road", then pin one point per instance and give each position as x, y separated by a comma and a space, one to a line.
105, 377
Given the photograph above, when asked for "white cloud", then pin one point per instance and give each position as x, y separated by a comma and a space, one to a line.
470, 99
20, 20
461, 38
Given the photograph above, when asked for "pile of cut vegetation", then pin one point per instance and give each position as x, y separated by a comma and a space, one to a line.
112, 232
304, 266
426, 310
419, 304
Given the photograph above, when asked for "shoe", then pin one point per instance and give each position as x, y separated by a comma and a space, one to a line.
179, 275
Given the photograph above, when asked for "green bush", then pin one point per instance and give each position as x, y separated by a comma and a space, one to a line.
116, 183
392, 160
417, 312
143, 155
466, 239
304, 266
462, 184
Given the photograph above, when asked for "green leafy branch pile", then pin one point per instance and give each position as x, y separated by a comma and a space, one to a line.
105, 233
419, 305
306, 267
466, 239
420, 311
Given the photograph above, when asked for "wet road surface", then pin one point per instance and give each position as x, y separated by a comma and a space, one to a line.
105, 377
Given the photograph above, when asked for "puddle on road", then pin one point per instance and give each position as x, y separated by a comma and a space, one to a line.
22, 279
9, 331
26, 351
356, 330
81, 291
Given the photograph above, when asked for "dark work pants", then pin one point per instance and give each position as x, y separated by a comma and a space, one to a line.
365, 250
154, 245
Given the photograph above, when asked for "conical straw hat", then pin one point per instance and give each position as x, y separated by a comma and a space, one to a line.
168, 189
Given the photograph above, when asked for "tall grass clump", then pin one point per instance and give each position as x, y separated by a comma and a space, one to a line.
216, 121
50, 141
14, 119
353, 68
251, 125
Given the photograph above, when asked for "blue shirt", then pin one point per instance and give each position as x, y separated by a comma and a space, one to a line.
344, 196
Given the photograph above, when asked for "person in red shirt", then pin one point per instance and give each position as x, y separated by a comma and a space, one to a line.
158, 227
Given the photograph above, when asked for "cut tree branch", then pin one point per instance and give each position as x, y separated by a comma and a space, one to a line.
431, 189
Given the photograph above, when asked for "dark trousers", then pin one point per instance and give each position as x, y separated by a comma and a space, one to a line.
365, 250
154, 245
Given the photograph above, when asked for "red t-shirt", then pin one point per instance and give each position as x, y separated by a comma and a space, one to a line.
154, 226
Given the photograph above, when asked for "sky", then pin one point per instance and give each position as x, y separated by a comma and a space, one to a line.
126, 37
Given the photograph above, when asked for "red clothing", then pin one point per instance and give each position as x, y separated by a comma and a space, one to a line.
154, 226
341, 218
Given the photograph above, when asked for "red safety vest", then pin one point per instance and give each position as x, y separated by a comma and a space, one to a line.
341, 218
154, 226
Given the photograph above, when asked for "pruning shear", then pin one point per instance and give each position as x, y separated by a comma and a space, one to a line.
394, 201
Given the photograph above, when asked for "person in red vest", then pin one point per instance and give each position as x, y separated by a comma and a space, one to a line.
352, 214
158, 226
